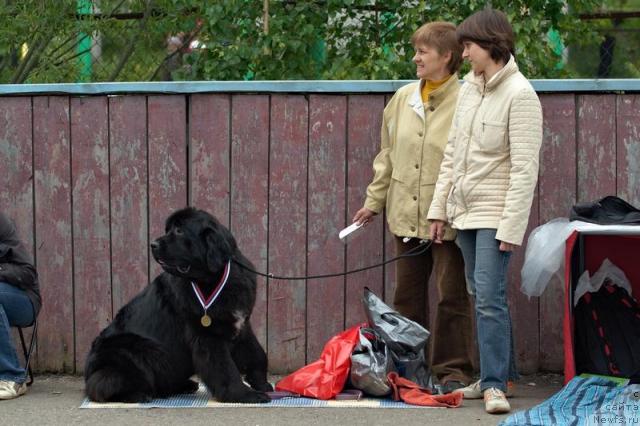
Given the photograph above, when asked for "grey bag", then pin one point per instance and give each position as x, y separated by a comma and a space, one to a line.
370, 363
405, 339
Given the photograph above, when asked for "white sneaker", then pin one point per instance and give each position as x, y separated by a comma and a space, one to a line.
10, 390
495, 401
473, 390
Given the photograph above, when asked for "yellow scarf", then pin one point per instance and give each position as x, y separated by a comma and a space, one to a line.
429, 86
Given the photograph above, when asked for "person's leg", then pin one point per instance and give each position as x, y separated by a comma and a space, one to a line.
15, 310
466, 240
412, 274
492, 313
452, 331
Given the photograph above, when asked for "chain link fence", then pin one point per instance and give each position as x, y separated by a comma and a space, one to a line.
145, 45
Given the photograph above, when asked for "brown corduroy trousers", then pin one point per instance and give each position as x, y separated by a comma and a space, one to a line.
452, 334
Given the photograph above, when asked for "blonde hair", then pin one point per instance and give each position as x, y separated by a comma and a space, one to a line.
442, 36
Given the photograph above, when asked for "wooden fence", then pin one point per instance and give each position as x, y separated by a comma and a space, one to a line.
89, 181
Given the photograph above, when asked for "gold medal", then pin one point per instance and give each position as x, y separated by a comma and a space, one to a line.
205, 320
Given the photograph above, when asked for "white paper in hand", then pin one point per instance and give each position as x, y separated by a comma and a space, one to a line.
348, 233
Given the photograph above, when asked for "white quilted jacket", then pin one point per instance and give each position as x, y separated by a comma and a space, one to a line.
490, 166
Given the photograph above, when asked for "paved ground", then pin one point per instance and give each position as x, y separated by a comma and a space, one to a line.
54, 400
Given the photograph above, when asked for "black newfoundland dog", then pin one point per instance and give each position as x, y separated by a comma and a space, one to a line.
165, 335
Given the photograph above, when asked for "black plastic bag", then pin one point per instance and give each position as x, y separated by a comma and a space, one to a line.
371, 362
405, 339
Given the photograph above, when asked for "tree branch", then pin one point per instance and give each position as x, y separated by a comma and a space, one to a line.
31, 60
131, 47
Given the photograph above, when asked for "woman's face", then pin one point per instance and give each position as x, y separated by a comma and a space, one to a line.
431, 65
478, 57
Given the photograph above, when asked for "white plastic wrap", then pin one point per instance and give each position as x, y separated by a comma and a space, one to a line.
607, 271
544, 256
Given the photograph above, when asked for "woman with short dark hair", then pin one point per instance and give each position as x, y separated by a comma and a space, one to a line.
485, 188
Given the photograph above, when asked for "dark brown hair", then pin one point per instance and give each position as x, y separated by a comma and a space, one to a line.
491, 30
441, 36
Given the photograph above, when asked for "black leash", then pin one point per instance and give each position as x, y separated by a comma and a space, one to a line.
416, 251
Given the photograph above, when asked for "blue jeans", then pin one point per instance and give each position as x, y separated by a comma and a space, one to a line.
486, 272
15, 310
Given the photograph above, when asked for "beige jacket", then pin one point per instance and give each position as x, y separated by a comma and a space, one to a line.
490, 166
413, 139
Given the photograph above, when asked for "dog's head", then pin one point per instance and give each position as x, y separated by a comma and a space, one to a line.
195, 245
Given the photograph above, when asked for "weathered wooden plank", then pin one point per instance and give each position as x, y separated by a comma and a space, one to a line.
167, 146
210, 134
557, 192
363, 132
326, 217
250, 191
596, 146
128, 179
52, 172
628, 143
91, 225
16, 162
16, 179
287, 231
524, 311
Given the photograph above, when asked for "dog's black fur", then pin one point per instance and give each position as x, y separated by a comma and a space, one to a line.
156, 342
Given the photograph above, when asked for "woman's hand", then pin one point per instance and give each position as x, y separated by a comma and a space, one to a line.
436, 231
504, 246
363, 216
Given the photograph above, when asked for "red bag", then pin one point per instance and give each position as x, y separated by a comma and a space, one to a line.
324, 378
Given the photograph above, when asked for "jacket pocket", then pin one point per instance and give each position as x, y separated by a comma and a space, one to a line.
452, 204
493, 135
397, 174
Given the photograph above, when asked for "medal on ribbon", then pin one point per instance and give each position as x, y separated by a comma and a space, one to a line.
206, 302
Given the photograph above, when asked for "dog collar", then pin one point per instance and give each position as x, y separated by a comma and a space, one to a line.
206, 302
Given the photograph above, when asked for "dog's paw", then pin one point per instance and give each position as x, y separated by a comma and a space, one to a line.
135, 397
255, 397
247, 396
263, 387
190, 387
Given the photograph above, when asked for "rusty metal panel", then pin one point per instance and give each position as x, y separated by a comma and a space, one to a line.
363, 144
249, 193
628, 143
209, 159
287, 231
91, 224
53, 248
128, 181
596, 146
326, 217
167, 146
557, 193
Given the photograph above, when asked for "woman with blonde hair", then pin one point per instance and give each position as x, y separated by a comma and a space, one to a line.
415, 125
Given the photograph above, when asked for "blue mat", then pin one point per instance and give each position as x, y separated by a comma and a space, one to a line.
202, 399
584, 401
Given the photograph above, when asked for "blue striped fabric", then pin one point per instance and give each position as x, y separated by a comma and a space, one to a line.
202, 398
584, 401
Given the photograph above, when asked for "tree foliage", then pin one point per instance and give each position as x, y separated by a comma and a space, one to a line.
239, 39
